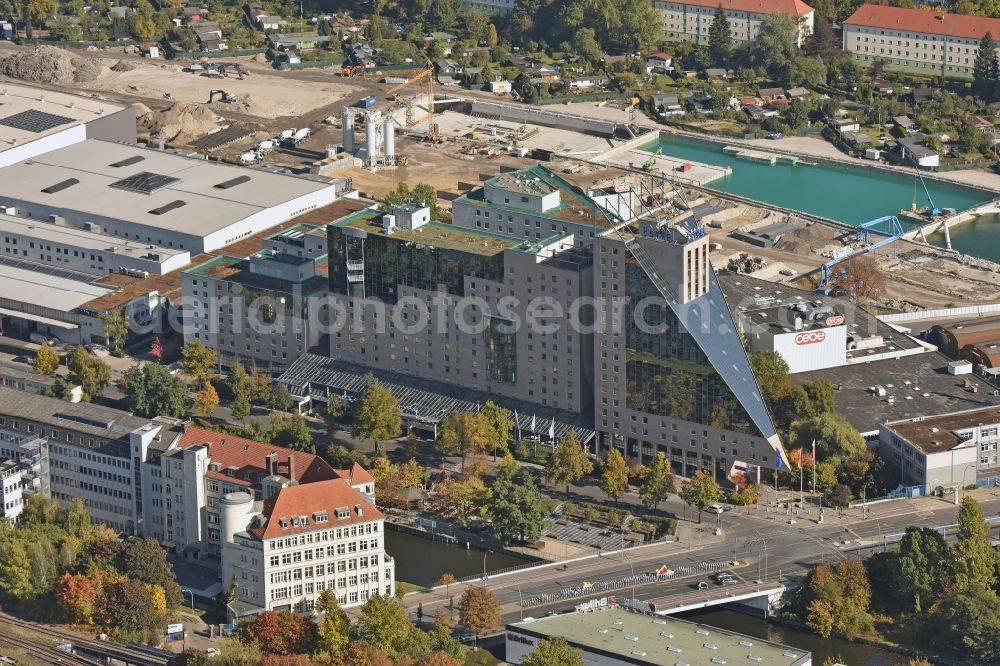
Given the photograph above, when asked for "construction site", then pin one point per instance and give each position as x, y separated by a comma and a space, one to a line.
380, 132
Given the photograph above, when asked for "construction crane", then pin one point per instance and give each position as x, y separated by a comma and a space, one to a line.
930, 209
892, 229
427, 73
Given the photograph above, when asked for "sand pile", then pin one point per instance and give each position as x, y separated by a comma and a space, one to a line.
252, 106
180, 123
48, 64
122, 66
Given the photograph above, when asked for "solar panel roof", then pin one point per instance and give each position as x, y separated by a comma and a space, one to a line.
35, 121
145, 182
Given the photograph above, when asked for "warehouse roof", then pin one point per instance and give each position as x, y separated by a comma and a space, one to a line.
638, 638
933, 22
82, 417
58, 292
155, 188
28, 114
940, 433
82, 239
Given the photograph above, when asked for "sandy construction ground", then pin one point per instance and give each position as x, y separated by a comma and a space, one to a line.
260, 95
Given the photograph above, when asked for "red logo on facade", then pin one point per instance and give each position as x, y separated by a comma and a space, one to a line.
835, 320
810, 337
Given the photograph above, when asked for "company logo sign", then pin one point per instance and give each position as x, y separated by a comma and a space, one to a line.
835, 320
518, 638
810, 337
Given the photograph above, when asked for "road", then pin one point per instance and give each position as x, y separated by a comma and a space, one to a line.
791, 550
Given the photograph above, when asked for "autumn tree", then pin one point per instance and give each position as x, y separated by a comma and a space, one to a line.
701, 492
464, 434
156, 350
206, 401
554, 652
569, 462
46, 360
837, 599
501, 423
464, 496
859, 279
384, 624
76, 595
614, 475
115, 330
280, 633
479, 611
129, 609
334, 629
199, 360
378, 416
145, 560
89, 372
16, 584
658, 482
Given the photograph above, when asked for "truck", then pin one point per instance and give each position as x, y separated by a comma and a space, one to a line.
365, 102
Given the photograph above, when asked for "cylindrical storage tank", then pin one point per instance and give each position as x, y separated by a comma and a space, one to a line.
237, 509
390, 139
331, 150
347, 121
371, 137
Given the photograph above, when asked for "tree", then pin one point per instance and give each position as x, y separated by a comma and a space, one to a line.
515, 510
89, 372
362, 654
128, 608
384, 625
860, 280
923, 566
500, 423
442, 15
836, 439
76, 595
720, 38
554, 652
280, 633
803, 71
238, 381
464, 496
771, 372
446, 579
145, 560
837, 599
614, 476
777, 42
970, 623
701, 492
150, 391
586, 46
745, 496
156, 348
198, 360
334, 630
206, 400
569, 462
378, 416
259, 384
15, 571
115, 330
975, 559
658, 482
292, 431
464, 434
491, 36
479, 611
281, 398
46, 360
984, 69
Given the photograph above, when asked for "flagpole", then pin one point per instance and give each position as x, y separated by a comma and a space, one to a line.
814, 467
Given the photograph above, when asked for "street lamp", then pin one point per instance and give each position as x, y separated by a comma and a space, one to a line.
485, 577
183, 590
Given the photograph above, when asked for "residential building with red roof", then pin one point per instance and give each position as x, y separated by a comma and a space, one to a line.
917, 40
184, 483
283, 552
690, 20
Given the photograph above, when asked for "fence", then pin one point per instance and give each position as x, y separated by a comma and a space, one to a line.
619, 583
200, 55
973, 310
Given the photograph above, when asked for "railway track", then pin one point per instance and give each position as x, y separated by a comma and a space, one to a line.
45, 652
124, 653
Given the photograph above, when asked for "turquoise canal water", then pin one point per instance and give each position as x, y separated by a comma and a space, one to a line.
846, 194
980, 237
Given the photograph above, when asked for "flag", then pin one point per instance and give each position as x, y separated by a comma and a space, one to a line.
517, 426
552, 429
532, 424
814, 452
780, 461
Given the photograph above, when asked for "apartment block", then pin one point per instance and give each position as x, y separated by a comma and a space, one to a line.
690, 20
915, 40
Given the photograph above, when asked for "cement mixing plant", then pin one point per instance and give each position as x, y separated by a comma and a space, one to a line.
379, 150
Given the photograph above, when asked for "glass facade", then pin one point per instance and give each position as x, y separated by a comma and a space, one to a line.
390, 263
666, 371
501, 349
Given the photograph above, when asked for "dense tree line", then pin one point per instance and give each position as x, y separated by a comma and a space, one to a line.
57, 566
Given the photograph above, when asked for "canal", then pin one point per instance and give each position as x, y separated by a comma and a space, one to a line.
846, 652
422, 561
847, 194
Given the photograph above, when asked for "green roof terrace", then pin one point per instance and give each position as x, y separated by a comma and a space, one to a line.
444, 236
237, 271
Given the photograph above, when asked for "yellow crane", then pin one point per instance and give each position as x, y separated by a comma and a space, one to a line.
427, 73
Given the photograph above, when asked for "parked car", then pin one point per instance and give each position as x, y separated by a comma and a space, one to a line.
701, 585
722, 575
729, 581
774, 136
715, 508
22, 359
787, 271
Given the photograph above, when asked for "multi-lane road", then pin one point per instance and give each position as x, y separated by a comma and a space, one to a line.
790, 550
